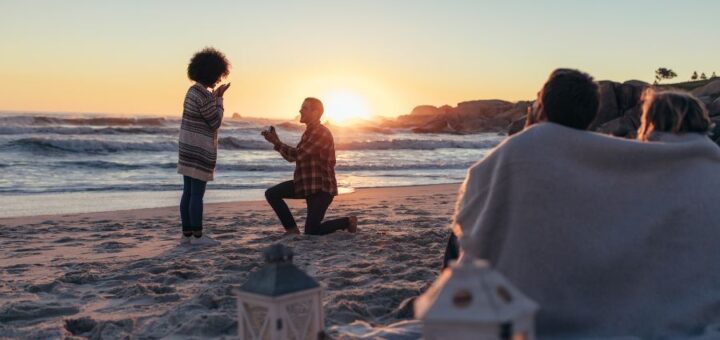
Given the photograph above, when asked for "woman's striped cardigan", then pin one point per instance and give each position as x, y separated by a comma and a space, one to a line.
202, 116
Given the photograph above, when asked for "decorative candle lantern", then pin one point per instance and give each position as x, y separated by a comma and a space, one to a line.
280, 301
470, 300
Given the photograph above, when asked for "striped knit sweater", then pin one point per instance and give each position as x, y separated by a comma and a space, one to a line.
202, 115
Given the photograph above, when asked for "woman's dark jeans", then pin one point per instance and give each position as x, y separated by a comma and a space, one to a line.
317, 205
191, 204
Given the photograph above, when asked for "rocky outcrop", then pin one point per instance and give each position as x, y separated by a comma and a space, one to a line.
715, 132
712, 90
467, 117
517, 125
714, 107
618, 113
620, 107
710, 95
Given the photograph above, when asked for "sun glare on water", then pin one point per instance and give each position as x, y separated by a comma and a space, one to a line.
342, 107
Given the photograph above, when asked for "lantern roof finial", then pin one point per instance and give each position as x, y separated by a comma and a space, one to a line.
278, 253
279, 276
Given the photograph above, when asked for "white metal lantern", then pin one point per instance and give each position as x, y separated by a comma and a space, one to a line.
470, 300
280, 301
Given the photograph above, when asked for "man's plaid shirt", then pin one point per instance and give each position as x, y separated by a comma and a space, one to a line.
314, 159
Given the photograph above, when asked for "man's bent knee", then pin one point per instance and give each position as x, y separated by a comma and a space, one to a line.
270, 194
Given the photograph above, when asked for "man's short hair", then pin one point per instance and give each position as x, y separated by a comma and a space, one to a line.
316, 104
570, 98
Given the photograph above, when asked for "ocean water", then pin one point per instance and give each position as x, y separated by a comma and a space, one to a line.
65, 163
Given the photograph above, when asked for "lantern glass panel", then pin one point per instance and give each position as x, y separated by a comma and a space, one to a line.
256, 316
300, 314
289, 335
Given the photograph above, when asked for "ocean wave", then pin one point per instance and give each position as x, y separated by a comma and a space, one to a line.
44, 144
233, 143
416, 144
225, 167
92, 121
56, 121
88, 146
119, 130
108, 165
125, 187
86, 130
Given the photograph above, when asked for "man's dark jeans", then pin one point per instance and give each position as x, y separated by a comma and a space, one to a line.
191, 204
317, 205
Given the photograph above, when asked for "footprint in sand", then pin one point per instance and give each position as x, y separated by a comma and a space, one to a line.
111, 247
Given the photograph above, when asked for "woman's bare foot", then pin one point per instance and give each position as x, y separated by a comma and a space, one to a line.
352, 228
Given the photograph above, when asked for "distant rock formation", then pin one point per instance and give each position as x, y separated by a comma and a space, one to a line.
620, 108
468, 117
618, 114
236, 116
710, 95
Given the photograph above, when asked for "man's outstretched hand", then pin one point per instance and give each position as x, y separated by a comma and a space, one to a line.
271, 136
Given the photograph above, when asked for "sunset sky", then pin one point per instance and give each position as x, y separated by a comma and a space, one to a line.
388, 56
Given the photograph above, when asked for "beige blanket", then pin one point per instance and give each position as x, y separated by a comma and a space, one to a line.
611, 237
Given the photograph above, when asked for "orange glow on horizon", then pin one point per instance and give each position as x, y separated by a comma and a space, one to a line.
342, 107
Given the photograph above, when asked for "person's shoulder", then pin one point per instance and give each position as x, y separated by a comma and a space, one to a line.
323, 130
540, 131
198, 91
527, 145
549, 135
526, 139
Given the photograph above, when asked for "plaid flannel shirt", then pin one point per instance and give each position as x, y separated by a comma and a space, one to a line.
314, 158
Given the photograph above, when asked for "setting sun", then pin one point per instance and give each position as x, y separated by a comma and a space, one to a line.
344, 106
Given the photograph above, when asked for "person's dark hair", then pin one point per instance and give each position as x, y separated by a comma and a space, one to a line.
570, 98
208, 66
316, 104
672, 111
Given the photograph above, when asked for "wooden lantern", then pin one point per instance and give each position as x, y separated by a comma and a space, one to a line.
280, 301
470, 300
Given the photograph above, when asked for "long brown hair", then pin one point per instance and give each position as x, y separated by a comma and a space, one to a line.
672, 111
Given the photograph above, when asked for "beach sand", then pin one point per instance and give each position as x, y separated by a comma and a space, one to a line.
116, 274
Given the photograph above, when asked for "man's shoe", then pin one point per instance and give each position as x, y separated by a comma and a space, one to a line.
203, 241
352, 227
291, 232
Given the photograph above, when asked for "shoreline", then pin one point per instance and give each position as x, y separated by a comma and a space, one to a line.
254, 202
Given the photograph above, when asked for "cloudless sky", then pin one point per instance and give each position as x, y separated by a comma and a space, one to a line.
131, 56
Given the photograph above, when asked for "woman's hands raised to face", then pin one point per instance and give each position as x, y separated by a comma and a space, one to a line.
221, 90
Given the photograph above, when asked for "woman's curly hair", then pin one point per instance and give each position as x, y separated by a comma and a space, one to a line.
208, 66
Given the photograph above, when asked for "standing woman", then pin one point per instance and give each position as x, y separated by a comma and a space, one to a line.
202, 116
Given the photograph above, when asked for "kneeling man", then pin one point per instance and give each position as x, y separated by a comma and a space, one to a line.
314, 178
